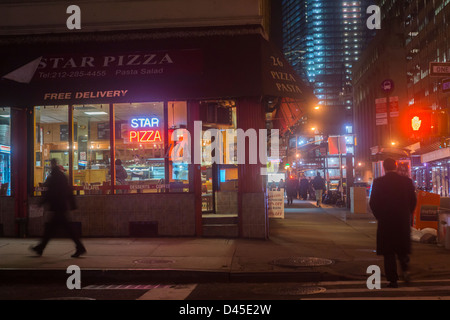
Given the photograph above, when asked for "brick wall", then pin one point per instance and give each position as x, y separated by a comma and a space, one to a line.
7, 225
254, 216
110, 215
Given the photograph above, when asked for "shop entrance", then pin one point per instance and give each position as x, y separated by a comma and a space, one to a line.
219, 170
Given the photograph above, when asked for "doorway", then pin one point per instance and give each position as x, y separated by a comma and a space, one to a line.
219, 170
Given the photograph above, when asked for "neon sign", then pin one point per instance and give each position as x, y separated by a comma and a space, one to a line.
143, 134
144, 122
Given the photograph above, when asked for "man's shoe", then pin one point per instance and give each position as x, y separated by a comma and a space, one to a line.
36, 250
392, 284
78, 253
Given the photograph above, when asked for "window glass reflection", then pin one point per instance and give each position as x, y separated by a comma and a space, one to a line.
91, 154
140, 147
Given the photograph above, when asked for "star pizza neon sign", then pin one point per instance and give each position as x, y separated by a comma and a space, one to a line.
144, 130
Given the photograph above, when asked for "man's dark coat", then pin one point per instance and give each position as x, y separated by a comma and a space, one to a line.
393, 200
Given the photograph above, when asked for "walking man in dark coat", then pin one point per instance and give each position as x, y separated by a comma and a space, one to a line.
303, 188
393, 201
60, 200
291, 189
319, 187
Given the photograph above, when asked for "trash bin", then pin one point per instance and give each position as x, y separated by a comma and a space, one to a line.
358, 200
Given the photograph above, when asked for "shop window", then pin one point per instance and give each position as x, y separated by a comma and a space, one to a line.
178, 142
51, 141
140, 147
91, 149
5, 152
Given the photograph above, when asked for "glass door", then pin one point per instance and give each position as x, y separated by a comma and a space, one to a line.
219, 169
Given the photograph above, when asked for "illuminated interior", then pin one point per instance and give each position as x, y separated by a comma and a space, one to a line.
5, 152
139, 140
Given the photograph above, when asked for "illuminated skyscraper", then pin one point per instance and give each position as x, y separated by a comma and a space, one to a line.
322, 40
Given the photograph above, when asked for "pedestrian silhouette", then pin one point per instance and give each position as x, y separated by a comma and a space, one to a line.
393, 200
59, 199
291, 189
319, 187
303, 188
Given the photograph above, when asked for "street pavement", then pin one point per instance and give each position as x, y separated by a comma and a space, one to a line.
309, 244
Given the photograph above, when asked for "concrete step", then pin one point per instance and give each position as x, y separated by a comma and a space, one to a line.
219, 219
221, 230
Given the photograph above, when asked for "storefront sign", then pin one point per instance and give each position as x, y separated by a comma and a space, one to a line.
276, 204
139, 130
99, 66
144, 122
285, 81
48, 96
144, 136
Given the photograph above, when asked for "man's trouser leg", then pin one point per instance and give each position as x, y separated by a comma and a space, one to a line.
319, 197
71, 233
390, 267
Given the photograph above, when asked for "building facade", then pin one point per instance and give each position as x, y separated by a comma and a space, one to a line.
135, 87
377, 135
323, 39
419, 134
427, 30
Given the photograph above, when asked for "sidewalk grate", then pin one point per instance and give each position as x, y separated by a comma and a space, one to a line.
295, 262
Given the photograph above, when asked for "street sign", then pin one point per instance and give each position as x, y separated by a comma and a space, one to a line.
439, 69
446, 85
387, 86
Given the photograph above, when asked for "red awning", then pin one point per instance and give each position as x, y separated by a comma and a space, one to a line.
147, 66
289, 113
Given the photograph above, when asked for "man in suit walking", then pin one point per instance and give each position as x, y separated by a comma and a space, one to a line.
60, 199
393, 201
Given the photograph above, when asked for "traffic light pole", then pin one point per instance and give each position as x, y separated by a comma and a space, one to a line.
388, 107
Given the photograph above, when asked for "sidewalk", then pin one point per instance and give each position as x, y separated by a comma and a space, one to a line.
310, 244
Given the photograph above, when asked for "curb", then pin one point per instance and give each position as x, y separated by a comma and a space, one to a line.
112, 276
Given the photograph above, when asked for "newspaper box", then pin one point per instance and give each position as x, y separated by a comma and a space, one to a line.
426, 212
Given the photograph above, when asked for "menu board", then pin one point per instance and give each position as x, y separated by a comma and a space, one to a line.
103, 131
64, 132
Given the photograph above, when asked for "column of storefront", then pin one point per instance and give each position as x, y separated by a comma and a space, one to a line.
19, 156
193, 111
253, 221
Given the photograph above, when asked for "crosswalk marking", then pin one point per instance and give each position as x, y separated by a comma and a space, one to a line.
153, 291
179, 292
125, 287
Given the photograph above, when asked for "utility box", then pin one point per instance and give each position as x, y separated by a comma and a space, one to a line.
358, 200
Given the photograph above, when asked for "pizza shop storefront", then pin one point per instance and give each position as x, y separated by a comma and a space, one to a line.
112, 112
